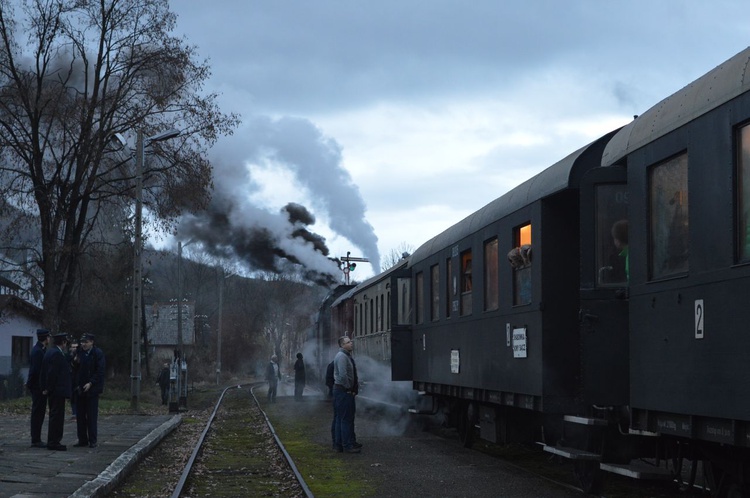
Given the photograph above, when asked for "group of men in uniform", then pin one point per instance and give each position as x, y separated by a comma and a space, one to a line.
53, 378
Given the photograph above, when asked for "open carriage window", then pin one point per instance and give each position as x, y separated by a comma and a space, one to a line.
466, 282
520, 260
668, 192
612, 256
491, 283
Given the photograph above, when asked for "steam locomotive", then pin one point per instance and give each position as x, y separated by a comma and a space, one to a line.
600, 308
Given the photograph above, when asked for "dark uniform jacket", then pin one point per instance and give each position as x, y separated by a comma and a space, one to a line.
55, 375
35, 369
91, 365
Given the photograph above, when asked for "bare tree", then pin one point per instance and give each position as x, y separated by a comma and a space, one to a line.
73, 73
403, 250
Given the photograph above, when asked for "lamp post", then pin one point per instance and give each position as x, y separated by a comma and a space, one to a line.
135, 353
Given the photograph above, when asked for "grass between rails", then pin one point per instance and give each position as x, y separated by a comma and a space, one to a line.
325, 472
239, 457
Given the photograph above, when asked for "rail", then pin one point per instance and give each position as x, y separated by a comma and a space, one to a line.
191, 462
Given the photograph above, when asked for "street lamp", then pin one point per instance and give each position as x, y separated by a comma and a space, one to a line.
135, 352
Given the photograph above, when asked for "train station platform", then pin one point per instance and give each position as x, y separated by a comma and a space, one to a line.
124, 440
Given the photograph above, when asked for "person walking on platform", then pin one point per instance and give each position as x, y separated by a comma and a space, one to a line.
89, 384
299, 377
38, 400
70, 355
273, 375
163, 381
344, 390
56, 385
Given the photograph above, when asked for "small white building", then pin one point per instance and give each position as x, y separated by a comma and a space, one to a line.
161, 330
19, 321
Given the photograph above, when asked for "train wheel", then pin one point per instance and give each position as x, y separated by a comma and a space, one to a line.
467, 421
589, 476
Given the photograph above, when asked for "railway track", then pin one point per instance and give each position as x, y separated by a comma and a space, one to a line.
219, 459
227, 448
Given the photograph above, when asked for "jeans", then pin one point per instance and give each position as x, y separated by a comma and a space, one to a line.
343, 418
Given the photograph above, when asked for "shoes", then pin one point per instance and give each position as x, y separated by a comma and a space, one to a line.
57, 447
92, 445
353, 450
80, 444
39, 444
356, 445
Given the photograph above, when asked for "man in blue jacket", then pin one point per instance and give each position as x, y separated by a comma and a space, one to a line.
56, 385
38, 400
89, 365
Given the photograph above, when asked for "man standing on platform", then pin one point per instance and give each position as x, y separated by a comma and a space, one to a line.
163, 381
344, 390
273, 375
38, 400
299, 377
56, 385
89, 384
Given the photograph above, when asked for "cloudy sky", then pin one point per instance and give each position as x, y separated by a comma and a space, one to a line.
392, 120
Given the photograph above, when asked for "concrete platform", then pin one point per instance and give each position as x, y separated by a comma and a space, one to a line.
38, 472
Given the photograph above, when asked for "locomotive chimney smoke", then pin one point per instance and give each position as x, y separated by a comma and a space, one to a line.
261, 240
233, 227
298, 146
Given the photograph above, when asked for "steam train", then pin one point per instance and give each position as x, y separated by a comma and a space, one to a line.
535, 319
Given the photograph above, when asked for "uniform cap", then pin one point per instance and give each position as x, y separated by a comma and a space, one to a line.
88, 337
60, 337
42, 333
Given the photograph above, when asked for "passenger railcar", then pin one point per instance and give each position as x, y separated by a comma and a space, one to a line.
600, 308
363, 312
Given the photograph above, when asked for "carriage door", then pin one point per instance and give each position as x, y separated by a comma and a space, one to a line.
603, 315
400, 313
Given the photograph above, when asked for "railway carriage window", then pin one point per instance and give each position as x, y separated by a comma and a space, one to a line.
449, 291
372, 316
435, 292
367, 313
611, 218
520, 260
743, 193
420, 297
669, 217
403, 301
377, 315
382, 312
466, 283
388, 312
491, 282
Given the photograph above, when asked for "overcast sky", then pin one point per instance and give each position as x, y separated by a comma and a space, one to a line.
392, 120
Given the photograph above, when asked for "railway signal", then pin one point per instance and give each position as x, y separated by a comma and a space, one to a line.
349, 264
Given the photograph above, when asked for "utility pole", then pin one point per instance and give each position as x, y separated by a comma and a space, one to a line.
135, 346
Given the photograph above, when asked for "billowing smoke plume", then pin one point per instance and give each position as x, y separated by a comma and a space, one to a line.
232, 227
262, 240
